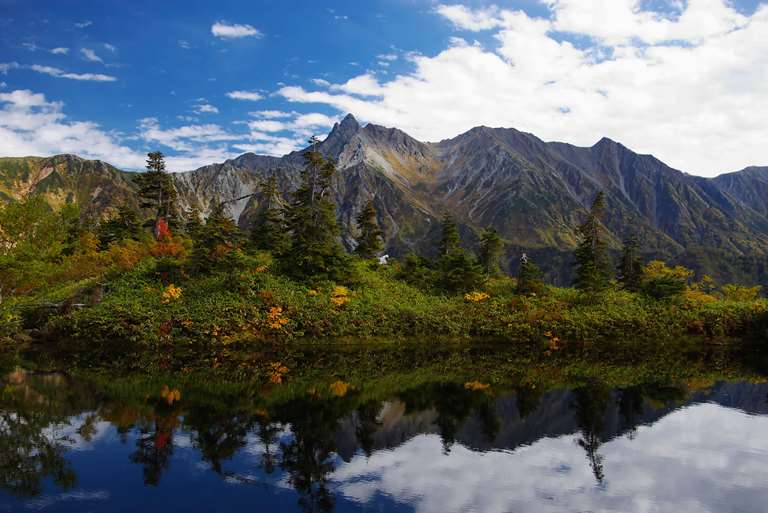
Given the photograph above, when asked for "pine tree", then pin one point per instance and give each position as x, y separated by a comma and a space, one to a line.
593, 267
193, 222
269, 232
123, 226
156, 190
449, 240
370, 241
529, 278
631, 265
216, 241
491, 247
315, 251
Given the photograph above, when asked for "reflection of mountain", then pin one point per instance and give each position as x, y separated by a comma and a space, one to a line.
554, 416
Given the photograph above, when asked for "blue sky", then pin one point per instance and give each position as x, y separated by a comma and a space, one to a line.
204, 81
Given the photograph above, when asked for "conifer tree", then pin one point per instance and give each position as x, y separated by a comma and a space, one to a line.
370, 241
491, 247
529, 280
216, 241
269, 231
193, 222
156, 190
631, 265
593, 267
449, 240
124, 225
315, 251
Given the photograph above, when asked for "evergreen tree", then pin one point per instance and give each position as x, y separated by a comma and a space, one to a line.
125, 225
593, 267
216, 241
449, 239
529, 278
491, 247
156, 190
370, 241
460, 272
631, 265
193, 222
315, 251
269, 232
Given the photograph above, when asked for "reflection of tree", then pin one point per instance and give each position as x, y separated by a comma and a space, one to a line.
590, 403
30, 453
367, 425
528, 399
267, 433
219, 434
154, 447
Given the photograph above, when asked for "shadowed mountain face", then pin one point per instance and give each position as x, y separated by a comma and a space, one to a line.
533, 192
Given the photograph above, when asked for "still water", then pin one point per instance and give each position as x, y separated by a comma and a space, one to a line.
434, 448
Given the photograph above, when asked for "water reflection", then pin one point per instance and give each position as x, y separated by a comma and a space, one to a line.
437, 447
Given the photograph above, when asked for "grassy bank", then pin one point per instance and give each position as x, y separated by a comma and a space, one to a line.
238, 319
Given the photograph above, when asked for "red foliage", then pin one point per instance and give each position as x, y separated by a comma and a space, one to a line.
162, 231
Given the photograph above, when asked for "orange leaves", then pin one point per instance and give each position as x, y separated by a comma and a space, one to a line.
170, 395
276, 371
162, 230
476, 386
554, 343
339, 388
276, 319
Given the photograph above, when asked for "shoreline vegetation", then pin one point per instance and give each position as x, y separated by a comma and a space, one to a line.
163, 291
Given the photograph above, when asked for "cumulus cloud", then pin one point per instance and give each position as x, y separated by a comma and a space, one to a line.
90, 55
245, 95
227, 30
110, 47
60, 50
685, 86
272, 114
206, 108
32, 125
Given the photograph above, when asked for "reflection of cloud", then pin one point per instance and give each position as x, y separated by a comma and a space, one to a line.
67, 433
77, 495
702, 458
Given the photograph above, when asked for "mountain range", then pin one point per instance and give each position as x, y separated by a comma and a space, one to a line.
534, 193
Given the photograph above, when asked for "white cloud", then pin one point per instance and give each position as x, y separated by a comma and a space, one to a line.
320, 82
90, 55
31, 125
699, 105
206, 108
59, 73
245, 95
110, 47
272, 114
61, 50
227, 30
186, 45
180, 138
84, 24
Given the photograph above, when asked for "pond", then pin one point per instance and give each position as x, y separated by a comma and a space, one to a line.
428, 446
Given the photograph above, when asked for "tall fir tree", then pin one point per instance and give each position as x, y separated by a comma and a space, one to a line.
193, 222
631, 265
370, 241
593, 266
315, 251
124, 225
449, 239
216, 241
157, 192
269, 230
529, 278
491, 247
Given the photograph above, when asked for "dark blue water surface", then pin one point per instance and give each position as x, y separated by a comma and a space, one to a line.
436, 448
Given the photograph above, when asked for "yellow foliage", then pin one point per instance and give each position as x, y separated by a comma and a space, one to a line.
340, 295
660, 269
312, 292
740, 292
261, 269
476, 297
339, 388
171, 293
476, 385
695, 296
275, 318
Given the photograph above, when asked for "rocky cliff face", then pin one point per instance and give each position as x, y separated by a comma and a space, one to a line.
533, 192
